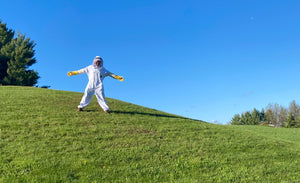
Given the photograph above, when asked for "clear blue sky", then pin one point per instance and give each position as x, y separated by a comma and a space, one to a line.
205, 60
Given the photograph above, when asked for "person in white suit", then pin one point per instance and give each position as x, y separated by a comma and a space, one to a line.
96, 73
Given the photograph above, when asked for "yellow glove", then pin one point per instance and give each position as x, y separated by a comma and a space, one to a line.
120, 78
72, 73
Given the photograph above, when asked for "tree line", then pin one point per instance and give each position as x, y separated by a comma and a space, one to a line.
273, 115
16, 56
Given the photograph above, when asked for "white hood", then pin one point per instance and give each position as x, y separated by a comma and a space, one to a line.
98, 58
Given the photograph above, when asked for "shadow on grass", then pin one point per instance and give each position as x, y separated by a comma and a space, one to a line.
149, 114
140, 113
89, 110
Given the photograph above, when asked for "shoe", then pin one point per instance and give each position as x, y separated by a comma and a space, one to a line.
107, 111
79, 109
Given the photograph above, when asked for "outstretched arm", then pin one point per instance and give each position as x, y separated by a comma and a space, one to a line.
120, 78
72, 73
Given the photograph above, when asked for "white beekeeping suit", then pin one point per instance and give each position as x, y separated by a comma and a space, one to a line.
96, 74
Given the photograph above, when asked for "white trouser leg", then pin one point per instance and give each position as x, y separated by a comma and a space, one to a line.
87, 97
101, 99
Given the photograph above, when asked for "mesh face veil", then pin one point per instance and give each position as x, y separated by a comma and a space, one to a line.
98, 59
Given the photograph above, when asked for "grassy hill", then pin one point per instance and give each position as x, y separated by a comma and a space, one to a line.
44, 139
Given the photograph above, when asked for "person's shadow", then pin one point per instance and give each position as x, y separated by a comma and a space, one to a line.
142, 113
149, 114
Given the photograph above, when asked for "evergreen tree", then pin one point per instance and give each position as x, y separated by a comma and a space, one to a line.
290, 122
16, 56
256, 119
236, 120
243, 119
248, 118
263, 116
6, 35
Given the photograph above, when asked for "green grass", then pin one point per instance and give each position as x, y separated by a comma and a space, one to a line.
44, 139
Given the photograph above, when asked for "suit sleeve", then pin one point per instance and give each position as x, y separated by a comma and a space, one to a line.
84, 70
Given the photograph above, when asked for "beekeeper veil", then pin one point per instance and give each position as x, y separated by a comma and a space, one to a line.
96, 59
